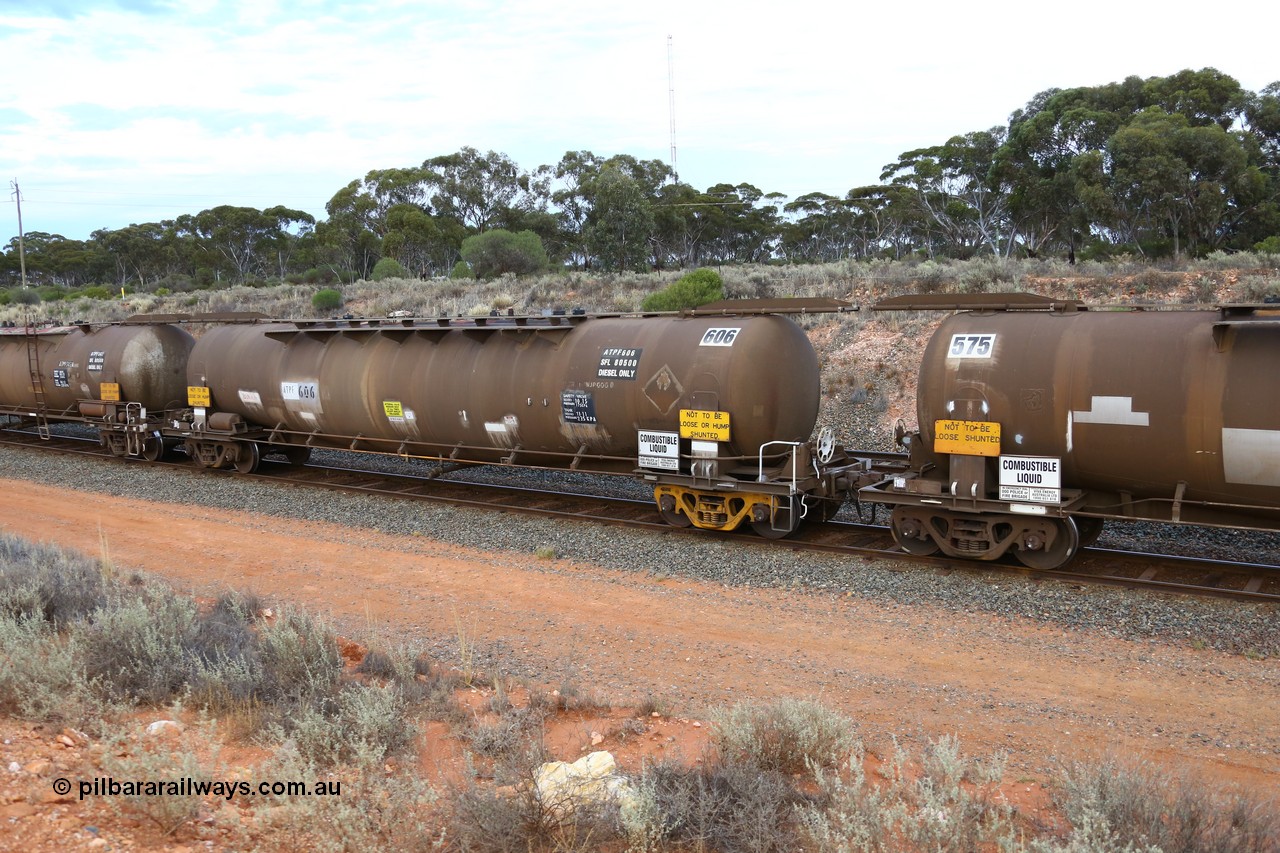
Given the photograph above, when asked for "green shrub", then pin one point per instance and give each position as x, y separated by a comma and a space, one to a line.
715, 807
137, 646
1269, 246
42, 677
498, 252
326, 300
27, 296
377, 810
360, 726
300, 660
41, 582
177, 765
388, 268
787, 736
1141, 807
697, 288
461, 270
97, 292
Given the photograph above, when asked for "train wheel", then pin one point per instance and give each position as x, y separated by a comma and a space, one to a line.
247, 462
1064, 547
667, 509
1090, 529
768, 531
911, 537
152, 449
675, 519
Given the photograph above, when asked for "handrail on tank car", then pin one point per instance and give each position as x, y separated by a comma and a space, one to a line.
795, 479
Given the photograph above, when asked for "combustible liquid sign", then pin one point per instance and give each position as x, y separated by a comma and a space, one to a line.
967, 438
704, 426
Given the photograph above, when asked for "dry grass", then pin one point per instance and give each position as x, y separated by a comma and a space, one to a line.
1239, 277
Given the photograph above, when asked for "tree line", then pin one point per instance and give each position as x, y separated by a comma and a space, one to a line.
1162, 167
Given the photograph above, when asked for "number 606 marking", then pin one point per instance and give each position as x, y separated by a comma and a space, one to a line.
971, 346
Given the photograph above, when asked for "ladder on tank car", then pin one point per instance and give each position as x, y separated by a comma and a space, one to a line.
37, 381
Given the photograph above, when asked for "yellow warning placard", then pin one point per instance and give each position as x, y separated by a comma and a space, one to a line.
967, 438
393, 408
198, 395
109, 392
703, 425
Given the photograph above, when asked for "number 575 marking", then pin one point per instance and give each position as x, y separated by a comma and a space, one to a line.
972, 346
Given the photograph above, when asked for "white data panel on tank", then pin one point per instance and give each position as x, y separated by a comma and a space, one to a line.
1251, 456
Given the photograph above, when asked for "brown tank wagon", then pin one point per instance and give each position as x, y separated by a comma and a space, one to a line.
1039, 420
715, 411
116, 374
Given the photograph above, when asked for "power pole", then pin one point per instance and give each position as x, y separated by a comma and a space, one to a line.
671, 106
22, 252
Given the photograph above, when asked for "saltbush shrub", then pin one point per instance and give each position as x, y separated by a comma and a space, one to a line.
326, 300
499, 252
787, 736
388, 268
689, 291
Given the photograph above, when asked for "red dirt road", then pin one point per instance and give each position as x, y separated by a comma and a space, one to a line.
1040, 692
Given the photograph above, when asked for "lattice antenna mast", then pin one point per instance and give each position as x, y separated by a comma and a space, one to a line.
671, 108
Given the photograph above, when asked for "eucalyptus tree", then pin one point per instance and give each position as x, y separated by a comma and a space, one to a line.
144, 253
55, 259
959, 191
817, 230
243, 240
426, 245
482, 191
680, 232
569, 183
620, 226
1174, 181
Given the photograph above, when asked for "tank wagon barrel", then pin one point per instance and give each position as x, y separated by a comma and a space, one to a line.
114, 374
714, 408
547, 396
1038, 420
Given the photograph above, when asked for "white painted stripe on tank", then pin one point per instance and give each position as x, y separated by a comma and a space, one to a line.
1251, 456
1112, 410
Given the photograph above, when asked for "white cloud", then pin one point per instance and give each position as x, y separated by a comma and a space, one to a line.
227, 102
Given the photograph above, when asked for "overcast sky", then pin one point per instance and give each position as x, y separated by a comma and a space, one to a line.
135, 111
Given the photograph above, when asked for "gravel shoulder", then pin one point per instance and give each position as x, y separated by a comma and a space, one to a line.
1046, 672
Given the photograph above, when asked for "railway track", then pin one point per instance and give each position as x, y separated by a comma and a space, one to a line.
1238, 580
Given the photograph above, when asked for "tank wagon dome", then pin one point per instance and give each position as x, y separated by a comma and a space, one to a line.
589, 386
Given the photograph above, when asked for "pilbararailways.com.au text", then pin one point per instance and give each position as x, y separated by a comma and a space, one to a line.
107, 786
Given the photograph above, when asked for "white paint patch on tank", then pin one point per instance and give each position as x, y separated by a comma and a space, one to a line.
252, 402
1070, 437
498, 434
1251, 456
1112, 410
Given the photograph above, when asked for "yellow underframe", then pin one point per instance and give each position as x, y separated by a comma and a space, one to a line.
713, 510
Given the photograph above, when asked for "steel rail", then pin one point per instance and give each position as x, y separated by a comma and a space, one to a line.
1261, 582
